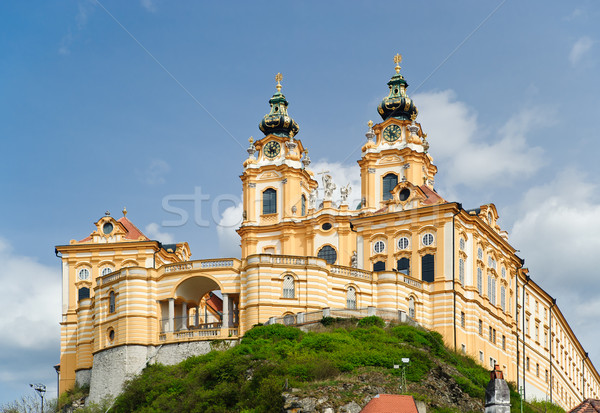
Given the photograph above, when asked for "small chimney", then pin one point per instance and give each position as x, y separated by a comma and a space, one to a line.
497, 394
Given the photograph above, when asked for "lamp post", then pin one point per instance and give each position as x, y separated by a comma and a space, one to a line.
41, 390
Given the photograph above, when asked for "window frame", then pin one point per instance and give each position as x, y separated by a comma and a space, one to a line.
286, 290
386, 182
270, 202
333, 250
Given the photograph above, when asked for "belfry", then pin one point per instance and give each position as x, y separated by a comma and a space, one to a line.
403, 252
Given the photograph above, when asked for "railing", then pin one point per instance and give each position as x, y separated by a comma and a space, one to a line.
352, 272
317, 316
204, 264
113, 276
413, 282
288, 260
214, 263
182, 266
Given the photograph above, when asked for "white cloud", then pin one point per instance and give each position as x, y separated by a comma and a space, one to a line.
149, 5
229, 240
28, 301
84, 9
470, 157
154, 173
557, 233
580, 48
153, 231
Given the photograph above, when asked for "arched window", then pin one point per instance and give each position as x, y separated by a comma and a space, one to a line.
411, 308
303, 205
461, 271
83, 274
328, 254
111, 302
351, 298
269, 201
404, 265
480, 281
289, 290
379, 266
83, 292
428, 268
106, 271
389, 182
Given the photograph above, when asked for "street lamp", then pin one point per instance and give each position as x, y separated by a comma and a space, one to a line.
41, 389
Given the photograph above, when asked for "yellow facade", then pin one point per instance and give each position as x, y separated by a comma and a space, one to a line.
403, 251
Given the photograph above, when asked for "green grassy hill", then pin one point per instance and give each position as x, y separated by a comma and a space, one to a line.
344, 361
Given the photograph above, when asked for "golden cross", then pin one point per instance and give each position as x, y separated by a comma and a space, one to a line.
278, 78
397, 60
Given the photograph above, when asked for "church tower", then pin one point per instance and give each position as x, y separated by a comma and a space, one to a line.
395, 163
276, 183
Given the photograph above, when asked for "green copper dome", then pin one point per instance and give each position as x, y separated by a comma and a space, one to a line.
397, 104
277, 122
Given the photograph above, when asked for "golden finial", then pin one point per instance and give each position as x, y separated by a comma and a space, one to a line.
370, 124
124, 211
306, 152
413, 116
397, 60
278, 78
251, 140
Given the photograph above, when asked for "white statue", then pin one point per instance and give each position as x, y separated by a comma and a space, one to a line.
354, 260
312, 199
328, 187
345, 192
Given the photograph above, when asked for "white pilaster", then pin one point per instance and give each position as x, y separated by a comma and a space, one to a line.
225, 311
171, 314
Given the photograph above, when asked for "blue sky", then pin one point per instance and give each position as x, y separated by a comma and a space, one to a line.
115, 104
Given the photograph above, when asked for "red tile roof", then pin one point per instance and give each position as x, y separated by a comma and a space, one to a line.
390, 403
432, 196
215, 302
587, 406
132, 231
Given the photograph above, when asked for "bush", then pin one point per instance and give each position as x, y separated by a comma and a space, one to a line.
371, 321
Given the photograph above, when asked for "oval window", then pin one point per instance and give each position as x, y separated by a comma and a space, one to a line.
404, 194
107, 228
326, 226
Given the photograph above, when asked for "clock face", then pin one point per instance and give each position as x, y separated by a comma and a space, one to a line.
272, 149
392, 133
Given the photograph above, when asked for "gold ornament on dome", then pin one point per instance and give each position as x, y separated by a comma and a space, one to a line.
397, 60
278, 79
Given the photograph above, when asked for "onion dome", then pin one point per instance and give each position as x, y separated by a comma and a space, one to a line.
277, 122
397, 104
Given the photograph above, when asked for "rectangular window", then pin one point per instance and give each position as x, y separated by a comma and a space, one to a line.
503, 342
480, 327
490, 333
527, 326
537, 332
546, 376
269, 201
428, 267
480, 281
537, 369
481, 356
462, 319
461, 271
527, 363
494, 336
489, 288
404, 265
503, 298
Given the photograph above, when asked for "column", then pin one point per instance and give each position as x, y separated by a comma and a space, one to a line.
197, 317
171, 314
225, 311
231, 313
184, 316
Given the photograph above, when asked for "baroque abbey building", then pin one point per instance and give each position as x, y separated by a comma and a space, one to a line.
403, 253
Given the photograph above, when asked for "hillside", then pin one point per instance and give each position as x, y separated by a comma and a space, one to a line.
341, 366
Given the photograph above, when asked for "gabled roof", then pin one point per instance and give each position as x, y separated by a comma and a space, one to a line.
587, 406
432, 196
215, 303
132, 233
390, 403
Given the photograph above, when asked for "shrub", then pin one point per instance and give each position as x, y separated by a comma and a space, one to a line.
371, 321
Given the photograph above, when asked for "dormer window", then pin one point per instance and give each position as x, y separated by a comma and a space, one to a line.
107, 228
